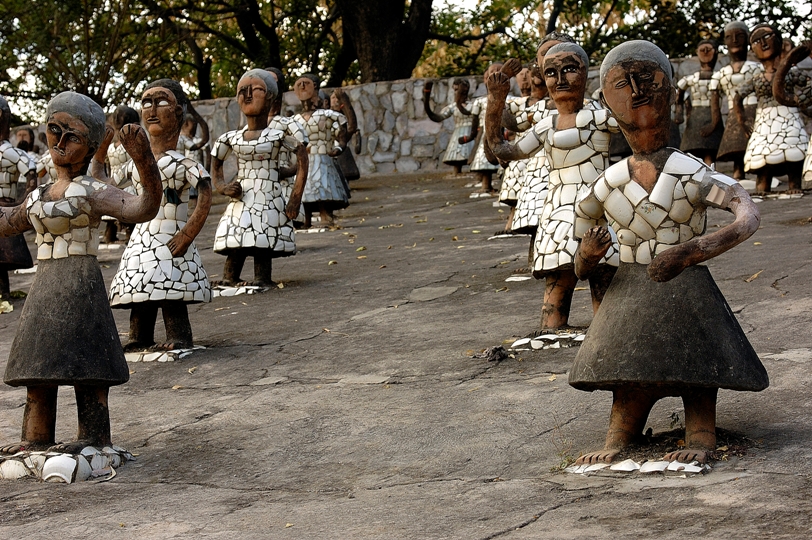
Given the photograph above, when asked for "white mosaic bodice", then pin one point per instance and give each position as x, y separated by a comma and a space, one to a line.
646, 224
763, 87
479, 106
727, 81
292, 128
65, 226
46, 164
322, 129
698, 87
460, 120
14, 165
118, 157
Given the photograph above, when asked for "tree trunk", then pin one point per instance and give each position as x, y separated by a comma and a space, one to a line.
388, 41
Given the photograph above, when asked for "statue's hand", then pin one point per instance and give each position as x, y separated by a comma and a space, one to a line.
706, 131
512, 67
670, 263
498, 85
134, 139
179, 244
595, 243
233, 189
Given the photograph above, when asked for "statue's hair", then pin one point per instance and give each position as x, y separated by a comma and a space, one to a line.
266, 77
313, 77
570, 47
460, 80
778, 38
710, 41
82, 108
737, 25
556, 36
281, 84
185, 105
637, 50
124, 115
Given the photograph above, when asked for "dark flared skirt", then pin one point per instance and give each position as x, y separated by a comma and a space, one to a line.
734, 139
14, 253
692, 140
67, 335
679, 333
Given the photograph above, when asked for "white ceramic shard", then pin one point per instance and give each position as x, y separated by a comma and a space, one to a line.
627, 465
520, 342
99, 461
554, 345
536, 344
596, 467
654, 466
83, 470
11, 469
576, 469
59, 468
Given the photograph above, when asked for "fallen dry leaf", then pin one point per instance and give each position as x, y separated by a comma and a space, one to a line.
361, 257
192, 370
551, 378
362, 248
754, 276
177, 387
330, 263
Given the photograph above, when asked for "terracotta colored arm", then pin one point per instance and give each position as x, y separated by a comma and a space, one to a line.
14, 220
738, 110
97, 168
512, 67
782, 70
292, 208
357, 142
345, 107
341, 138
498, 85
716, 115
679, 108
232, 189
509, 121
433, 116
184, 237
30, 183
670, 263
133, 208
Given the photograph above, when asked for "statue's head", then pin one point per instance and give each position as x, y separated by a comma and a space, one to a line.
636, 86
163, 108
525, 80
736, 39
124, 115
707, 51
256, 91
74, 129
550, 40
565, 72
766, 41
306, 87
461, 88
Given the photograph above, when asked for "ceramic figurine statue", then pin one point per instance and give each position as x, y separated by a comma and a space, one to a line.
456, 153
192, 146
697, 139
258, 220
67, 335
17, 180
725, 81
778, 141
533, 186
576, 146
324, 191
161, 267
340, 102
45, 166
480, 165
117, 158
801, 97
663, 329
288, 160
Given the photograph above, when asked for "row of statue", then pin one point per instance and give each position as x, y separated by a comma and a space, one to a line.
635, 228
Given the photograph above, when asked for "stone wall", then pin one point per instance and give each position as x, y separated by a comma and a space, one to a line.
396, 134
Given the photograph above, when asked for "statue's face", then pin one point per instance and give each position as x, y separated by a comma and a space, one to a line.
23, 135
253, 97
639, 94
334, 103
565, 76
304, 89
765, 44
460, 91
523, 79
542, 52
736, 41
68, 140
160, 112
706, 53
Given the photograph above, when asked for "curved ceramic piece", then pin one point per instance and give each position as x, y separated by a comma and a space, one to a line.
59, 468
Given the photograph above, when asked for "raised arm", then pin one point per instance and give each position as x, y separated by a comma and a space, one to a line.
13, 220
346, 108
434, 117
782, 71
124, 206
716, 114
671, 262
498, 85
97, 168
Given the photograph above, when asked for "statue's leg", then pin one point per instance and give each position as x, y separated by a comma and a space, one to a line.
558, 291
177, 325
738, 168
764, 180
94, 420
235, 261
39, 421
5, 287
263, 264
110, 232
794, 176
700, 426
142, 326
599, 282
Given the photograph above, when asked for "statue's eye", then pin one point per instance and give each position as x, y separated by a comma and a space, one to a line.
622, 83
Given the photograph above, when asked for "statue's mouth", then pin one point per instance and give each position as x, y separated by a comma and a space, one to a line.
58, 151
640, 102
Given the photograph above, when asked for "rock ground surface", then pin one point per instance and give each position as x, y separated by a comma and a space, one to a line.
348, 405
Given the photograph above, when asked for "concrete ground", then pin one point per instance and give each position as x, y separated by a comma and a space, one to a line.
348, 403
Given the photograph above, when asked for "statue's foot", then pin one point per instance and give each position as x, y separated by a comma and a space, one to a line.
760, 194
601, 456
73, 447
794, 192
172, 345
137, 346
23, 446
271, 285
225, 283
523, 270
687, 455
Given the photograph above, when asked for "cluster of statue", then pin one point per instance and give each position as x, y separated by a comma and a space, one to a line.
634, 228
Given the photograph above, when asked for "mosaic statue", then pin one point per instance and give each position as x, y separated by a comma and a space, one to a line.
697, 138
325, 190
161, 267
340, 102
457, 153
17, 179
576, 146
258, 220
800, 96
778, 141
480, 165
726, 81
67, 335
663, 329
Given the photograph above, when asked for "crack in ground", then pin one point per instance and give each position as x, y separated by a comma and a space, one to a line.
532, 520
774, 285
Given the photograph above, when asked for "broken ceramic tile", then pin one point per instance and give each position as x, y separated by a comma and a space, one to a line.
626, 465
654, 466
